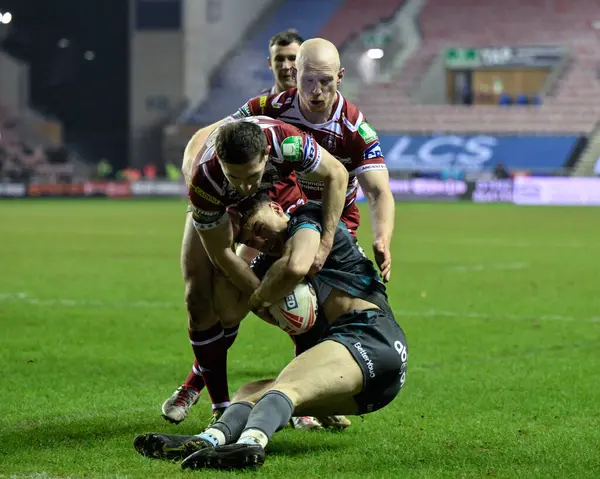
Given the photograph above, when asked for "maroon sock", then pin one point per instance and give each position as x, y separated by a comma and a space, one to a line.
195, 379
210, 349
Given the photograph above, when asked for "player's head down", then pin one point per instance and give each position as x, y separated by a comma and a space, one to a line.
283, 49
263, 224
242, 150
318, 74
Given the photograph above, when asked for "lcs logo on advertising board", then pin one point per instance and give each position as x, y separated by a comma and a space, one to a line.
472, 153
441, 152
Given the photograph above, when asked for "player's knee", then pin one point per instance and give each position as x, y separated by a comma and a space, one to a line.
294, 391
253, 391
229, 317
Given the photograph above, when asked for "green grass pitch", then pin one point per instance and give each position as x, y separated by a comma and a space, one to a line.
500, 304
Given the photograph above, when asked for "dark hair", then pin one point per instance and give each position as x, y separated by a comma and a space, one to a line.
240, 142
285, 38
248, 206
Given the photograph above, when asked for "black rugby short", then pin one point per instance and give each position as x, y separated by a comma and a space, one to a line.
379, 346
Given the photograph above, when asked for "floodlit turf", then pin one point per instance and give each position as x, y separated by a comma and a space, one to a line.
500, 304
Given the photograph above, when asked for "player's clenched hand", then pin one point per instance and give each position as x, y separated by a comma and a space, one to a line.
264, 314
383, 258
261, 309
320, 258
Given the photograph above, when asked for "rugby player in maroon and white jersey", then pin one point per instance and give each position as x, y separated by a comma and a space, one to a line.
227, 162
318, 108
283, 49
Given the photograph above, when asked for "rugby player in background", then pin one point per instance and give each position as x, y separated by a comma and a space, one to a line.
283, 49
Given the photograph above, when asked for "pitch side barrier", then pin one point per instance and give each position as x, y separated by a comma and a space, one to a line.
524, 190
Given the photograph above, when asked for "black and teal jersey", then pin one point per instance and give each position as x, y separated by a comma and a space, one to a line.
346, 268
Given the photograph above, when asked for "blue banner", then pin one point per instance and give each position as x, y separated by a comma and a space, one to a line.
477, 152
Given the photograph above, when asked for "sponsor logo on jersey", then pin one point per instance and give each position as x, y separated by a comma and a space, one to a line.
373, 151
203, 194
244, 111
262, 102
204, 216
310, 151
367, 132
291, 148
310, 184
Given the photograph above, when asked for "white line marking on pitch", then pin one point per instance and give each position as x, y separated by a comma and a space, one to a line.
501, 316
505, 242
25, 298
494, 267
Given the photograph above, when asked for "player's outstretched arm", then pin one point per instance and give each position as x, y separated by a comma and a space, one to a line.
288, 271
375, 186
217, 242
335, 178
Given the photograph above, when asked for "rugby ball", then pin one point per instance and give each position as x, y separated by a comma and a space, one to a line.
297, 312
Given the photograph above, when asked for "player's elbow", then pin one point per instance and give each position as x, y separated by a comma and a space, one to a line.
221, 259
377, 193
338, 173
296, 268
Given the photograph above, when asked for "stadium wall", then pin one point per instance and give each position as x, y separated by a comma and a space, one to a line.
14, 82
155, 87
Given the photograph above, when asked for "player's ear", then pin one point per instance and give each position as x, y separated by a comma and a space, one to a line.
340, 75
294, 73
269, 63
268, 150
276, 207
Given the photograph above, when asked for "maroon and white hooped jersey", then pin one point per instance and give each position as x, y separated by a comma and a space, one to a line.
292, 151
346, 135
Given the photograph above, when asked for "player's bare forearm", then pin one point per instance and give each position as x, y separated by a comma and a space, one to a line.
383, 210
279, 281
237, 271
334, 197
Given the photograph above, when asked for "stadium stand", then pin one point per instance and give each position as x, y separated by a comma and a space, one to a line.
23, 160
353, 17
570, 107
244, 75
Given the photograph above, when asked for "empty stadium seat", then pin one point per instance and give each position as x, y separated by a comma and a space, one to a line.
355, 16
245, 75
573, 105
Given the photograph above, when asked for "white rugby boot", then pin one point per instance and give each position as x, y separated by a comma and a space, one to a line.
176, 408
